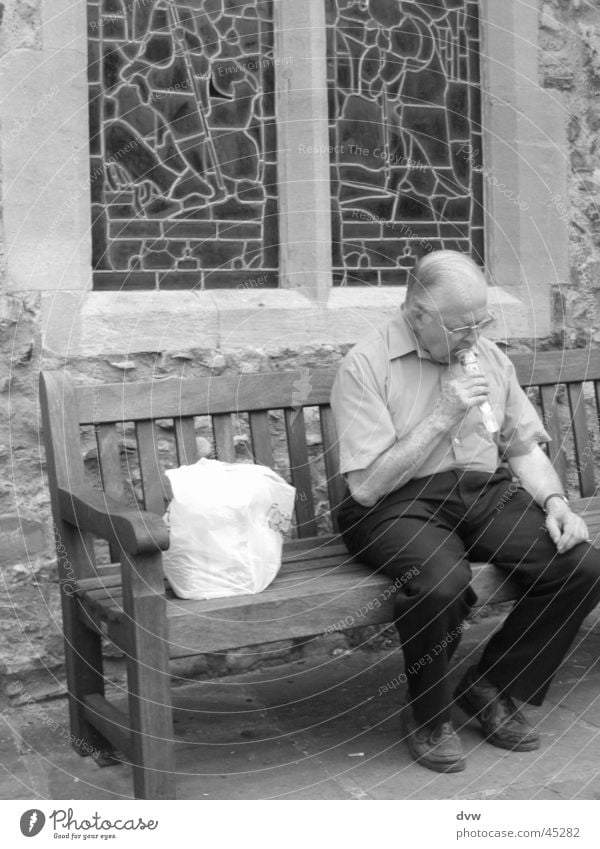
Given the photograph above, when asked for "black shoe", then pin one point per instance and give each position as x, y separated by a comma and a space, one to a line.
502, 722
436, 748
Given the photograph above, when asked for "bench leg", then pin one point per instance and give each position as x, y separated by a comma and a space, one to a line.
84, 670
150, 711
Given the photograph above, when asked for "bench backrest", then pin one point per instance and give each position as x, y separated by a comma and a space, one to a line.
566, 388
139, 429
252, 418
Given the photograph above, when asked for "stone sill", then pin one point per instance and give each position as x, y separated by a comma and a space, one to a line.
88, 324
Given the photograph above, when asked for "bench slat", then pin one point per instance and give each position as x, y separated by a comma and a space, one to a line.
300, 472
223, 431
107, 440
297, 555
556, 450
310, 545
584, 457
162, 399
278, 592
261, 439
206, 396
596, 420
297, 573
551, 367
185, 440
335, 484
150, 469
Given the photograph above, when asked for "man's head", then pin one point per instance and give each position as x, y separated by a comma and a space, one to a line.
446, 292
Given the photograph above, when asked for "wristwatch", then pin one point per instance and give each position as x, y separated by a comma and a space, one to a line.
560, 495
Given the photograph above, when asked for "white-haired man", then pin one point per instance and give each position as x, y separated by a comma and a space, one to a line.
431, 487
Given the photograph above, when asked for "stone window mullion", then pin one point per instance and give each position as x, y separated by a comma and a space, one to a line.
302, 142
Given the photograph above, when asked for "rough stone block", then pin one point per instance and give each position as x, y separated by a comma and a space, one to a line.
324, 646
250, 657
561, 79
19, 538
548, 21
189, 668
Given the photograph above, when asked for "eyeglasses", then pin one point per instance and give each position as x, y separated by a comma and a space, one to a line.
468, 328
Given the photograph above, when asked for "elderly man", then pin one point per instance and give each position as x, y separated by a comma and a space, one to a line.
432, 488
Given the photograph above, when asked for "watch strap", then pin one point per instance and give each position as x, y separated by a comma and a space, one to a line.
554, 495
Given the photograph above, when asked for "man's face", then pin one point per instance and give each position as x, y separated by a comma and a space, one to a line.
443, 322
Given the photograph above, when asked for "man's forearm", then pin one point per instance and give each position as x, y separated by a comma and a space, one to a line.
538, 477
402, 461
399, 463
536, 474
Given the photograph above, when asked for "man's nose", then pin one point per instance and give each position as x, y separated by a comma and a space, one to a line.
470, 339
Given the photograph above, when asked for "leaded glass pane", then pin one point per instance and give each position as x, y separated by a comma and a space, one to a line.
183, 152
405, 130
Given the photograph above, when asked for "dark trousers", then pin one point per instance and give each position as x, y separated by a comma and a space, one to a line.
424, 534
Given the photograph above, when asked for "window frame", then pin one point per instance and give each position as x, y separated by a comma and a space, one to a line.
524, 149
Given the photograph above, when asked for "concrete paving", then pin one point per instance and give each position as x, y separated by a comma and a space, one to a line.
327, 728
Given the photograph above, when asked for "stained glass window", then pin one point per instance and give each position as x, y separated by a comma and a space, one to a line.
405, 134
183, 152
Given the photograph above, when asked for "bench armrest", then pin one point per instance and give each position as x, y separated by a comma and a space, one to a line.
135, 530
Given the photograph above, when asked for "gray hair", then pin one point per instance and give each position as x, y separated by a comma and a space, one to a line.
433, 270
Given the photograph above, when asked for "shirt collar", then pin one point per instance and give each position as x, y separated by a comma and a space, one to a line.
401, 339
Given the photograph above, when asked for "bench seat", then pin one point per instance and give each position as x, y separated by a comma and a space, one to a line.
307, 597
319, 589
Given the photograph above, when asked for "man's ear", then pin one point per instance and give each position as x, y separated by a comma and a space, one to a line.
416, 314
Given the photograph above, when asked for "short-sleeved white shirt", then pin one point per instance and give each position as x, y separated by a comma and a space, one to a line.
387, 385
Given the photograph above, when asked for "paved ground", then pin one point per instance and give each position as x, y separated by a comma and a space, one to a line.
322, 730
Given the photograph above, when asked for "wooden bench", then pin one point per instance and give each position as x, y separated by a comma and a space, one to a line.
319, 589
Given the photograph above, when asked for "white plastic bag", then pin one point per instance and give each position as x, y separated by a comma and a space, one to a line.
226, 522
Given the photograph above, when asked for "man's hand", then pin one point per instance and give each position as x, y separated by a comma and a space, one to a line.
459, 394
402, 460
566, 528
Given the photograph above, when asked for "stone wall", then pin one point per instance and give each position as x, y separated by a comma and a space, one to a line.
570, 65
30, 642
19, 25
30, 637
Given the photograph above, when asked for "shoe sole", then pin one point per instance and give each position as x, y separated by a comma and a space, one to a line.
437, 766
518, 746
